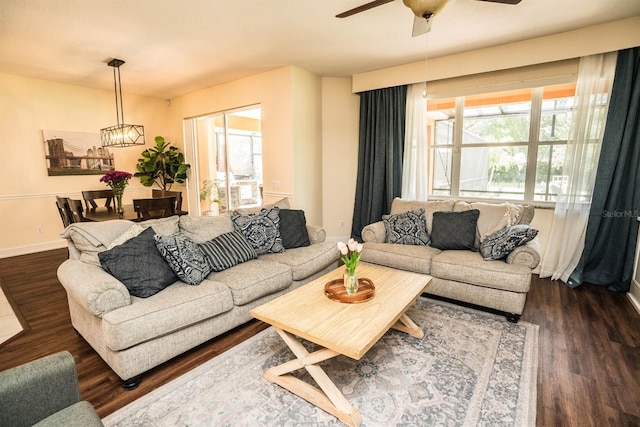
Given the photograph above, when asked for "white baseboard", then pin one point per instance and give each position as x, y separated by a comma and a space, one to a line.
336, 239
634, 295
30, 249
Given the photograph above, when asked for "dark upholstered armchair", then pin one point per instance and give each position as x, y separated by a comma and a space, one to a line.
44, 391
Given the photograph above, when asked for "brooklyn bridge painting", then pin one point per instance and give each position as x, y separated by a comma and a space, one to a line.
75, 153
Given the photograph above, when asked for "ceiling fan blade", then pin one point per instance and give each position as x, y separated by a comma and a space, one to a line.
421, 26
363, 7
504, 1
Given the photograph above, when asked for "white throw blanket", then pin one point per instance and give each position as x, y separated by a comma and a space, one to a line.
98, 233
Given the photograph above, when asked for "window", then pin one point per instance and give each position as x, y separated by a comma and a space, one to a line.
507, 145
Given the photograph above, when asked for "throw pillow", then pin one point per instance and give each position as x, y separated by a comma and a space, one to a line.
184, 257
261, 229
454, 230
138, 265
407, 228
500, 244
293, 229
227, 250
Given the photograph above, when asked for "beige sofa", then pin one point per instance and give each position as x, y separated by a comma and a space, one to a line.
135, 334
463, 275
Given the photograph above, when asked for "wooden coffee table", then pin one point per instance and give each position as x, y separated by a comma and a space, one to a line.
347, 329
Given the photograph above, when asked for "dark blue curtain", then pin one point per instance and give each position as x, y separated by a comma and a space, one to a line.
612, 230
381, 147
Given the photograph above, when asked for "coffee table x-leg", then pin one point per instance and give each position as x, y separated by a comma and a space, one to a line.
328, 397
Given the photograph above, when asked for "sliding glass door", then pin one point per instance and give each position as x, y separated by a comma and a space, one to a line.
227, 151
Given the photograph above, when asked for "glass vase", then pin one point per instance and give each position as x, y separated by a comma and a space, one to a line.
119, 206
350, 282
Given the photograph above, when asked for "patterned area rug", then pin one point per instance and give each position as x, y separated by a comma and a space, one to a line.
471, 368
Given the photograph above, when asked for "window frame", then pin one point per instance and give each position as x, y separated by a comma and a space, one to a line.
456, 147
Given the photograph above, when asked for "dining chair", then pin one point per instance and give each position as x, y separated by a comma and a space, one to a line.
156, 207
77, 211
90, 196
178, 194
62, 203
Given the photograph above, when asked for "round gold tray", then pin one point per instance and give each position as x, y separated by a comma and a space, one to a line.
335, 290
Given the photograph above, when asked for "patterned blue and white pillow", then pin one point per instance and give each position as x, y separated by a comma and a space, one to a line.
407, 228
184, 256
500, 244
261, 229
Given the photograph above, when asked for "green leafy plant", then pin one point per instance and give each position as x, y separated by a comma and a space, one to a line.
162, 165
209, 191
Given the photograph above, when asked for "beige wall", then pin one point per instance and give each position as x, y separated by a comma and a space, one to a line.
557, 47
340, 118
291, 135
291, 127
27, 193
309, 127
307, 144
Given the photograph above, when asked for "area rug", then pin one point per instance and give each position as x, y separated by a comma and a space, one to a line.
10, 322
471, 368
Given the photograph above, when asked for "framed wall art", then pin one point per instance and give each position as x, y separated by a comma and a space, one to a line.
75, 153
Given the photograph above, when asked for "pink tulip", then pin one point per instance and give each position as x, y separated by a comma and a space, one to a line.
353, 245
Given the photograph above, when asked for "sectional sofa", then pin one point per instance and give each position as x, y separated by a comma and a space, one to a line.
461, 274
136, 333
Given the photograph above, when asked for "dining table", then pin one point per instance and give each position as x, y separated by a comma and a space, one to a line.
103, 214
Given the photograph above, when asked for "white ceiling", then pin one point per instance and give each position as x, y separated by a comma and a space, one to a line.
173, 47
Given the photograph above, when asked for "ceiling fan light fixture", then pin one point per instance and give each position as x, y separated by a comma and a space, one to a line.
121, 134
425, 8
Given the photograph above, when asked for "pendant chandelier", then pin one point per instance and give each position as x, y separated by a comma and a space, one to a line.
120, 135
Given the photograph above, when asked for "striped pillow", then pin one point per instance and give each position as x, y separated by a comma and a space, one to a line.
227, 250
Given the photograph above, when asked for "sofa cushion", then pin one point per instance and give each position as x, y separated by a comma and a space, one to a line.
306, 261
293, 229
501, 243
254, 279
281, 204
132, 232
401, 205
404, 257
204, 228
454, 230
176, 307
184, 257
163, 226
227, 250
138, 264
79, 414
261, 229
469, 267
407, 228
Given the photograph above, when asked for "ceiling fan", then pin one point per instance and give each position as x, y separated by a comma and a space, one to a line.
423, 10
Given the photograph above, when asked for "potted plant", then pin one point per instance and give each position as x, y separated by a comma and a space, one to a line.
162, 165
209, 192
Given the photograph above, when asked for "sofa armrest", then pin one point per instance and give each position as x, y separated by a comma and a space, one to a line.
375, 233
92, 287
35, 390
316, 233
527, 255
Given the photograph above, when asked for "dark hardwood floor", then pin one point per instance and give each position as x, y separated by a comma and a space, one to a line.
589, 368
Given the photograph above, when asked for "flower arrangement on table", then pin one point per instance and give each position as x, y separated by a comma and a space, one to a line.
350, 255
117, 180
